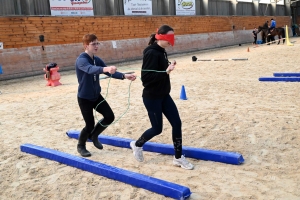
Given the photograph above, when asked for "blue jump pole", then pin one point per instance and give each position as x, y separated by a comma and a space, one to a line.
286, 74
139, 180
191, 152
280, 79
1, 72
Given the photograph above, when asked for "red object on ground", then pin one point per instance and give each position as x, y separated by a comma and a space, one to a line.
52, 76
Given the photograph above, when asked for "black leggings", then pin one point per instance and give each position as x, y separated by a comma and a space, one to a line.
255, 38
87, 107
155, 108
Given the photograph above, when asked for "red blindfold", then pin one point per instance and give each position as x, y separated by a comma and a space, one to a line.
166, 37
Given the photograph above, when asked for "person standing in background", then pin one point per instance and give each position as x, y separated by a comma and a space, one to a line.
254, 34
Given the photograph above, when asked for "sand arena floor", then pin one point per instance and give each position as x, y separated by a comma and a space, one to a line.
227, 109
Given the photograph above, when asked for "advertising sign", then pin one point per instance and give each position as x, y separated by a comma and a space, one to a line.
249, 1
137, 7
279, 2
71, 7
185, 7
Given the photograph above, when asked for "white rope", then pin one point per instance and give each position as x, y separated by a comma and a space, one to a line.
274, 41
223, 59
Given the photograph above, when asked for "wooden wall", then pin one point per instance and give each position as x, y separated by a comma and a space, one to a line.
23, 55
16, 32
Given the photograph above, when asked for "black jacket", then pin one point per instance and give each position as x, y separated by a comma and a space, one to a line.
155, 80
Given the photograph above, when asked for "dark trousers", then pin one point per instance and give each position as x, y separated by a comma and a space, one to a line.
87, 107
156, 108
255, 38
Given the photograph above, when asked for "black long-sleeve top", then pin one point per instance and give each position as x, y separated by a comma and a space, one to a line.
156, 81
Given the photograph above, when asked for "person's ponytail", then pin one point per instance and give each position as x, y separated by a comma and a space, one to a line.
152, 39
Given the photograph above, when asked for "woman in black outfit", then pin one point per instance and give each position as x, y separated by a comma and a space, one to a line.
156, 95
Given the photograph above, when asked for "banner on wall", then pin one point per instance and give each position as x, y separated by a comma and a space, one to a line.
137, 7
185, 7
278, 2
264, 1
249, 1
71, 7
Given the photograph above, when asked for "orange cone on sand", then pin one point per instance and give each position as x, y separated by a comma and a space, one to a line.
248, 50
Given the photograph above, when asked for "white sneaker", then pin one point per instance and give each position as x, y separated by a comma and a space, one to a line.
183, 163
137, 152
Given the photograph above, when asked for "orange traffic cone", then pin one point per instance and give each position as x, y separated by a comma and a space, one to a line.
248, 50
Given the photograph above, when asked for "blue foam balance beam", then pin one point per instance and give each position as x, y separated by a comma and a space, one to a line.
139, 180
286, 74
190, 152
280, 79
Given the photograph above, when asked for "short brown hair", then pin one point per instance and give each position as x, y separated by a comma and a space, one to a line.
88, 38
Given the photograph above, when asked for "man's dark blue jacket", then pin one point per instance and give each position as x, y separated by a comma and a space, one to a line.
87, 71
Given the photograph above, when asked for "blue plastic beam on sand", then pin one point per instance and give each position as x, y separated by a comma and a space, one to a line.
139, 180
286, 74
280, 79
190, 152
